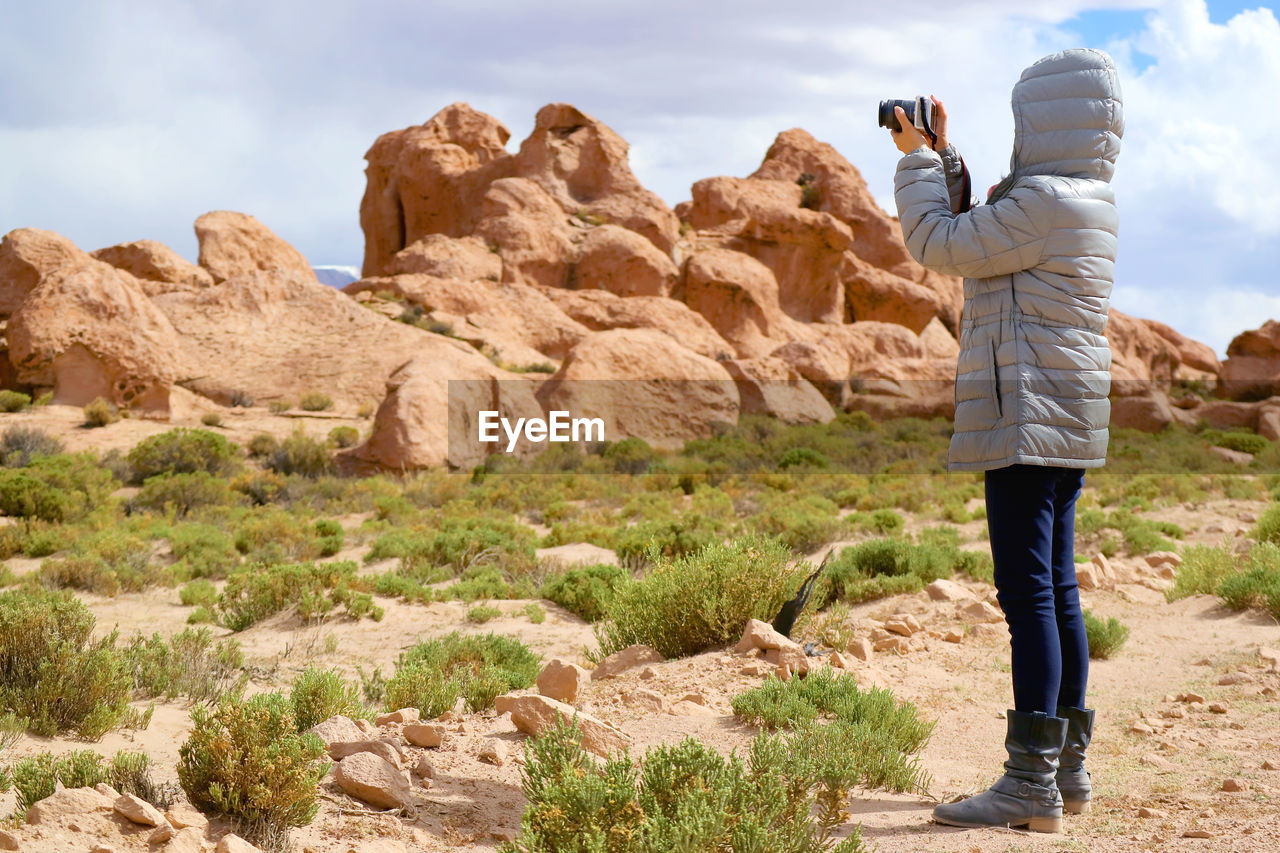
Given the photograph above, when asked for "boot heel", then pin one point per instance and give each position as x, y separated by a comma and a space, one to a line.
1045, 824
1076, 806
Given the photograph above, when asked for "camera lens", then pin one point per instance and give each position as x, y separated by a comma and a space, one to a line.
889, 120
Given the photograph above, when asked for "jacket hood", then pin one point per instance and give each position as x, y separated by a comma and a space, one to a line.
1068, 116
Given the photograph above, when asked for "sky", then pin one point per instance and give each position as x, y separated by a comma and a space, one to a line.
126, 121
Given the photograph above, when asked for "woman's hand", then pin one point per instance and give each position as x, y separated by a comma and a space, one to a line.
939, 123
909, 138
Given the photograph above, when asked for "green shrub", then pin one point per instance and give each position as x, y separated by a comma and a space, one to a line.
14, 401
100, 413
674, 537
802, 522
1244, 442
279, 407
585, 591
262, 445
52, 672
181, 493
106, 563
344, 436
20, 444
319, 694
629, 455
199, 592
37, 776
685, 796
184, 451
211, 419
803, 457
302, 455
686, 605
203, 551
1105, 638
247, 760
1202, 570
314, 589
882, 567
482, 613
274, 535
193, 663
55, 488
533, 610
314, 401
330, 536
479, 668
1258, 584
1267, 527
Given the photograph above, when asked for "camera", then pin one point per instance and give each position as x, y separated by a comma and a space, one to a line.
919, 112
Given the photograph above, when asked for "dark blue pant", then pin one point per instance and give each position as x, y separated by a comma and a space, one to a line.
1031, 514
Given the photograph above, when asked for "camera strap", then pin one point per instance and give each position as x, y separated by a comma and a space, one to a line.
966, 195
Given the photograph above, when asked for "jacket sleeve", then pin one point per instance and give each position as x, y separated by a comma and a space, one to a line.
953, 168
989, 240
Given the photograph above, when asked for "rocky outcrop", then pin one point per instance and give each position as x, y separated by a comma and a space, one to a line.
642, 383
158, 268
770, 386
738, 295
27, 255
447, 257
599, 310
534, 715
529, 230
622, 262
1252, 367
233, 244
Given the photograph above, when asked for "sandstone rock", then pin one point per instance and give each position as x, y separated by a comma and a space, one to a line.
429, 179
367, 777
27, 256
1197, 360
656, 389
182, 815
1197, 833
1269, 421
1156, 559
903, 623
761, 635
861, 648
562, 680
756, 669
107, 791
599, 310
1141, 728
493, 751
1150, 411
645, 698
624, 263
685, 708
535, 714
1271, 656
1142, 361
953, 636
1146, 812
157, 267
790, 660
337, 729
189, 840
582, 164
841, 661
1252, 367
403, 715
232, 843
430, 415
382, 749
424, 768
980, 612
1234, 785
67, 803
1237, 677
621, 661
441, 256
897, 644
770, 386
233, 244
529, 231
8, 840
1218, 707
945, 590
1270, 765
424, 734
1234, 456
161, 834
738, 296
872, 293
138, 810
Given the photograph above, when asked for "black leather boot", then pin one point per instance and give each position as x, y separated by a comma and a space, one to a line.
1027, 794
1073, 780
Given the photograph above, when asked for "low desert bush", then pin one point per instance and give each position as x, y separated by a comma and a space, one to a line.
319, 694
1257, 584
106, 563
198, 593
51, 670
533, 610
585, 591
262, 445
302, 455
14, 401
100, 413
193, 663
20, 443
203, 551
344, 436
314, 401
329, 536
184, 451
684, 796
1267, 527
1244, 442
482, 613
181, 493
279, 407
802, 522
1202, 570
211, 419
689, 604
431, 676
247, 760
64, 487
255, 592
1105, 638
881, 567
37, 776
670, 538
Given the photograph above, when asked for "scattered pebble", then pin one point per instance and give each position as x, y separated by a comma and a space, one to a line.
1151, 813
1197, 833
1141, 728
1218, 708
1270, 765
1234, 785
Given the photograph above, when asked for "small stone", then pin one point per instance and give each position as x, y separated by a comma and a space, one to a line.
8, 841
1141, 728
232, 843
138, 810
67, 802
377, 782
424, 767
945, 590
1209, 812
562, 680
1218, 708
161, 834
404, 715
685, 708
1197, 833
840, 661
648, 672
102, 847
1151, 813
1190, 698
646, 698
1234, 785
760, 635
382, 749
494, 752
1236, 677
756, 668
187, 840
533, 715
903, 624
696, 698
183, 815
953, 636
107, 791
424, 734
988, 630
1271, 656
630, 657
504, 835
900, 645
861, 649
1270, 765
1156, 559
366, 727
980, 612
1175, 712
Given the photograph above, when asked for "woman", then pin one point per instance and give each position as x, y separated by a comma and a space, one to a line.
1031, 393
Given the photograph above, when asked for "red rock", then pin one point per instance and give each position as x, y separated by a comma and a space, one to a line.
28, 255
622, 262
529, 231
599, 310
562, 680
367, 777
157, 267
233, 244
1252, 366
628, 658
872, 293
428, 735
738, 295
770, 386
535, 714
582, 163
442, 256
657, 390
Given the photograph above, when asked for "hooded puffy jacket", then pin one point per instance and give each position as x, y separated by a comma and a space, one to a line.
1034, 369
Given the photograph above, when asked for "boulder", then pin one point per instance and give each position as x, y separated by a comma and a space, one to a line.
1252, 367
138, 810
88, 330
622, 262
367, 777
233, 244
628, 658
428, 735
562, 680
1150, 411
582, 163
1197, 360
442, 256
761, 635
382, 749
872, 293
68, 803
232, 843
945, 590
493, 751
279, 334
738, 296
337, 729
182, 815
770, 386
1142, 361
534, 715
27, 255
157, 268
403, 715
599, 310
654, 388
429, 179
430, 415
529, 231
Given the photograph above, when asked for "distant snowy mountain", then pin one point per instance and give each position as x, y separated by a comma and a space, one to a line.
336, 276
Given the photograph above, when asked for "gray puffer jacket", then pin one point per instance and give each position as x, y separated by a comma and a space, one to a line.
1034, 369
